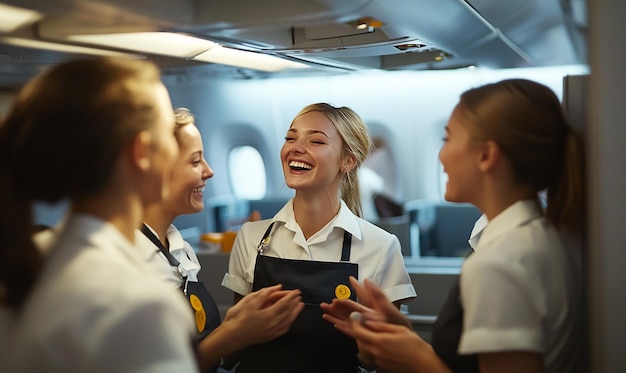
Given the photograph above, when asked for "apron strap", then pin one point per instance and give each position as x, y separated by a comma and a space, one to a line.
265, 240
345, 249
170, 258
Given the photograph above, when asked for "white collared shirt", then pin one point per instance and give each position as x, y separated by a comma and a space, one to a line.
97, 307
477, 230
180, 250
521, 292
376, 251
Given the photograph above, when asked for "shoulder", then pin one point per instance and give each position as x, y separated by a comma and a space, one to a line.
524, 244
372, 232
255, 228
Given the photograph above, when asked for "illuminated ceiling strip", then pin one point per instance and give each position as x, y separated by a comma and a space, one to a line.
184, 46
163, 43
12, 18
57, 47
250, 60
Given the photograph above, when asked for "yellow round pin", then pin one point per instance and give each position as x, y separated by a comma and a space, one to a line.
342, 291
196, 304
200, 320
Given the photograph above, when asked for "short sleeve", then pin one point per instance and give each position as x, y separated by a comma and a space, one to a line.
238, 279
392, 276
504, 305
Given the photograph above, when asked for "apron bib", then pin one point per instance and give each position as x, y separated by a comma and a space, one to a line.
204, 308
311, 344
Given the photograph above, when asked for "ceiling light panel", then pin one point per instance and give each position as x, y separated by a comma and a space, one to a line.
163, 43
12, 18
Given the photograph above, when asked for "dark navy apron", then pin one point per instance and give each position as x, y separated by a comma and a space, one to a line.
205, 309
311, 344
446, 334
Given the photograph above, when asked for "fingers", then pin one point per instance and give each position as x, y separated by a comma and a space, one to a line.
341, 308
290, 304
345, 322
283, 313
374, 291
266, 296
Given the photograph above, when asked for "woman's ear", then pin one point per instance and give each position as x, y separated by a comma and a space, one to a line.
140, 151
349, 163
489, 156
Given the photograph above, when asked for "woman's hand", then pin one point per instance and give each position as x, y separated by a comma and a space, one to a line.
263, 315
258, 317
393, 348
374, 305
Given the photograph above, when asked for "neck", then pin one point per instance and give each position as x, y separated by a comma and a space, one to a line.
159, 221
124, 211
496, 200
312, 214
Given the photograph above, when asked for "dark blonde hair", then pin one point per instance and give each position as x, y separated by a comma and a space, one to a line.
182, 117
356, 142
61, 139
527, 122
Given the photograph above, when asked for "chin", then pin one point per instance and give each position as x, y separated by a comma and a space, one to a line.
196, 207
448, 196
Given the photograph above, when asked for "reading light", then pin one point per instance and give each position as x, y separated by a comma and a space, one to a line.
11, 17
185, 46
368, 23
441, 56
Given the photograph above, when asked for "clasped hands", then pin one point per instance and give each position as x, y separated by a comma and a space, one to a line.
384, 336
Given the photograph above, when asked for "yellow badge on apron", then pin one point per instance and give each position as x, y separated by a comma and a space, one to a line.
196, 304
342, 291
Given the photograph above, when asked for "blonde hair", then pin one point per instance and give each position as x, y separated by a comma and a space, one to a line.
182, 117
526, 120
356, 142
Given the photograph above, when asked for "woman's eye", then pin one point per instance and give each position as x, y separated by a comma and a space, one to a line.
289, 138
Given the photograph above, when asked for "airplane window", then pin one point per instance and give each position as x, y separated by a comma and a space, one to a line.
246, 171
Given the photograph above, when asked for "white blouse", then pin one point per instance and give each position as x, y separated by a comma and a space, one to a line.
376, 251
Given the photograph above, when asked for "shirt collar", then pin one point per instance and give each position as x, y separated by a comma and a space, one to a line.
513, 216
345, 220
477, 231
175, 239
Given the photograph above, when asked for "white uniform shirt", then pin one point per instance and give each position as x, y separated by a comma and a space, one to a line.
97, 307
376, 251
180, 250
521, 291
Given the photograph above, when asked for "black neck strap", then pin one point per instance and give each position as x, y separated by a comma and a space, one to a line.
345, 249
148, 233
170, 258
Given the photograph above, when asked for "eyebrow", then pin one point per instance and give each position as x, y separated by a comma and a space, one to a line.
197, 153
310, 132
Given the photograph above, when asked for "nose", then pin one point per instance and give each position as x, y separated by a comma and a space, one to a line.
298, 146
207, 171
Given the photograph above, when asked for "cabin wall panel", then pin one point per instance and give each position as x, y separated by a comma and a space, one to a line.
413, 106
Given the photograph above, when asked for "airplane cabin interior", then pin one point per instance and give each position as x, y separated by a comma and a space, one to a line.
245, 68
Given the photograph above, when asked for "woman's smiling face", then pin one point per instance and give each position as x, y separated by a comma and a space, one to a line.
459, 157
311, 154
189, 174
